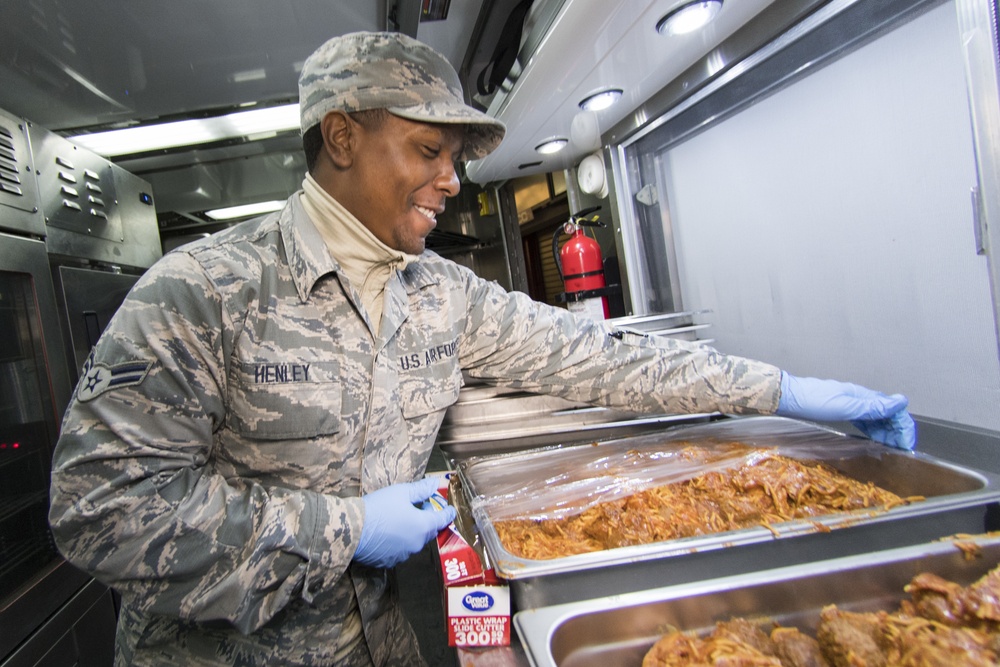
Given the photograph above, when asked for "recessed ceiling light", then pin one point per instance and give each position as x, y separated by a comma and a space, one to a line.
551, 146
245, 210
601, 100
689, 17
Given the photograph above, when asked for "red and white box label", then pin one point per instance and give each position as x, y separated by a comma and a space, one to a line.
460, 564
478, 616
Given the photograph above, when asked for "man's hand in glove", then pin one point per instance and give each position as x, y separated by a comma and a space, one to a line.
880, 417
395, 528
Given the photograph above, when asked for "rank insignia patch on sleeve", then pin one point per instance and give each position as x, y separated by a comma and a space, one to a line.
98, 378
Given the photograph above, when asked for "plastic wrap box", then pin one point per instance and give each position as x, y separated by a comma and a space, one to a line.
477, 604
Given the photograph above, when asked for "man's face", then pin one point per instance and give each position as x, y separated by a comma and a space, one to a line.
403, 171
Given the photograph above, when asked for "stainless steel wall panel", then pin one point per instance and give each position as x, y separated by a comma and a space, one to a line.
137, 210
93, 209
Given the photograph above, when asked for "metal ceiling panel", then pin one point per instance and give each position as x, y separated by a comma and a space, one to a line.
67, 64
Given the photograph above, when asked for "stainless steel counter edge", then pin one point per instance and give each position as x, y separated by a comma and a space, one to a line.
536, 627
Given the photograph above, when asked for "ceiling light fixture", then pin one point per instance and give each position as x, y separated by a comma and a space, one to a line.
551, 146
601, 100
249, 75
143, 138
689, 17
245, 210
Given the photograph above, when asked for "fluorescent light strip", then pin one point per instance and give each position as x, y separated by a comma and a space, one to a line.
245, 210
191, 132
250, 75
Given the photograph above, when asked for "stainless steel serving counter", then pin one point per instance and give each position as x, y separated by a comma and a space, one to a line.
619, 630
540, 481
541, 426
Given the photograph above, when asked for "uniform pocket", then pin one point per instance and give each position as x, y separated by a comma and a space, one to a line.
425, 392
277, 401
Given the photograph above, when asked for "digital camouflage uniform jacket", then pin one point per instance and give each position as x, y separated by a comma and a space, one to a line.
213, 458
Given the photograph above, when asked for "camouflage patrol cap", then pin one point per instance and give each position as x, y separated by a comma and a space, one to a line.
388, 70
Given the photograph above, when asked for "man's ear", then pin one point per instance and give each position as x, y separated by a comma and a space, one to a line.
338, 138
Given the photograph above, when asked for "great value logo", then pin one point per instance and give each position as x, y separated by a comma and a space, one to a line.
478, 601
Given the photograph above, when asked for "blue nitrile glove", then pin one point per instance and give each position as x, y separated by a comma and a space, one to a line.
395, 528
880, 417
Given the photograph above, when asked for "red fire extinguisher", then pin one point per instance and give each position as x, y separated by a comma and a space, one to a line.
581, 267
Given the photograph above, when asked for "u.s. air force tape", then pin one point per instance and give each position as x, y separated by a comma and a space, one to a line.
98, 378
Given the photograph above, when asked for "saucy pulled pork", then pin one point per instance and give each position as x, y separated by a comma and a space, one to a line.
766, 489
941, 625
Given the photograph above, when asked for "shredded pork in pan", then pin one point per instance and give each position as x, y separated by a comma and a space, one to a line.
767, 489
942, 625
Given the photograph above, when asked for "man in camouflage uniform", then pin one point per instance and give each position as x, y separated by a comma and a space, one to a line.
240, 454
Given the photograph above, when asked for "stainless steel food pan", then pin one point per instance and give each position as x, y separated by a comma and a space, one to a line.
618, 630
956, 500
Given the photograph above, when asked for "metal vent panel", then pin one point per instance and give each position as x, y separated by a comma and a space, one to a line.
77, 187
18, 188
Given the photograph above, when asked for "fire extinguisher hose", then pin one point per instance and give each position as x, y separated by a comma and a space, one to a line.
555, 252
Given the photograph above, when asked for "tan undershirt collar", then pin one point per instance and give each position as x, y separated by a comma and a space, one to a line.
364, 259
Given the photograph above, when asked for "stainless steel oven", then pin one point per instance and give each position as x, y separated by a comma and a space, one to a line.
29, 409
36, 586
50, 613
